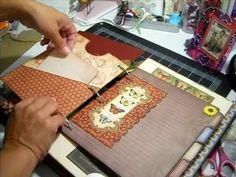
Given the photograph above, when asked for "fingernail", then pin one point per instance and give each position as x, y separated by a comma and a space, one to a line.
66, 50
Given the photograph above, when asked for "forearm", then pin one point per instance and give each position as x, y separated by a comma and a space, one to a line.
17, 161
15, 9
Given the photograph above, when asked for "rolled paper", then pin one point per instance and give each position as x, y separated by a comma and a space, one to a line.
206, 133
192, 152
179, 168
216, 120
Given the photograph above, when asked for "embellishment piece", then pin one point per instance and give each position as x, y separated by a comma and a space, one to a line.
182, 85
210, 110
124, 105
110, 115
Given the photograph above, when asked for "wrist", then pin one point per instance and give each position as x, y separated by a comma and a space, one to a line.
16, 144
18, 148
16, 160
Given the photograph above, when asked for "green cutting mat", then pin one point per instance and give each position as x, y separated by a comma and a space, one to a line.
11, 49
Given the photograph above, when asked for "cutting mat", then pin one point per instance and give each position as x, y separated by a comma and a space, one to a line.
216, 82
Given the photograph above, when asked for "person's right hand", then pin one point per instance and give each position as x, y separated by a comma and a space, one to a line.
33, 125
56, 27
58, 30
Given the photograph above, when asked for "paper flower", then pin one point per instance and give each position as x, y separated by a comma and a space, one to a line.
210, 110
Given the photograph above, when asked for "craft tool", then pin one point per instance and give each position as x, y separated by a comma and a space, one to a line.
149, 24
67, 121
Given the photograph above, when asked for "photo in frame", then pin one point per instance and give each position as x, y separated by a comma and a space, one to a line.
213, 39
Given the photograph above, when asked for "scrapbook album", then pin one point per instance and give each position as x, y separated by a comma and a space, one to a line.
144, 127
135, 123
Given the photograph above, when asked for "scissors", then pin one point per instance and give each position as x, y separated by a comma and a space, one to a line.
218, 164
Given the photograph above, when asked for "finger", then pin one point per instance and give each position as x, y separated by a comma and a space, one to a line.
69, 28
60, 43
51, 46
45, 41
58, 121
71, 34
63, 34
65, 50
37, 106
24, 103
49, 107
71, 39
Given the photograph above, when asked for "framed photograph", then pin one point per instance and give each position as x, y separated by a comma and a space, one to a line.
213, 39
216, 38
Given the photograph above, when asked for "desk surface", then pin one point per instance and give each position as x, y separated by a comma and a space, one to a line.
171, 41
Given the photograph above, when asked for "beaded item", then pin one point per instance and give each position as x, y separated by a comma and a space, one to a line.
190, 15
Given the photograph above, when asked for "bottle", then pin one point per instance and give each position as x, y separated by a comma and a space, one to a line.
190, 15
175, 18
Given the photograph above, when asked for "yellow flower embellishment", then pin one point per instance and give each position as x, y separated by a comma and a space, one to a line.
210, 110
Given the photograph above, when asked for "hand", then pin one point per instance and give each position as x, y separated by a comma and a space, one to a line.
54, 25
33, 125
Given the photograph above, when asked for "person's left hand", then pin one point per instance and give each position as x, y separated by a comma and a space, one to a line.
33, 125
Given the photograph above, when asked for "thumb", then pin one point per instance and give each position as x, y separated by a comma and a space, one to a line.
60, 43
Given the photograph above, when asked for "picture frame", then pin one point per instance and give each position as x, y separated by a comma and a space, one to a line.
212, 21
216, 38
